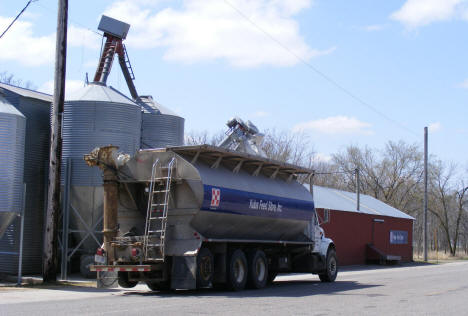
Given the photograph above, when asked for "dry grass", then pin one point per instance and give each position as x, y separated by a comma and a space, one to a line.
440, 255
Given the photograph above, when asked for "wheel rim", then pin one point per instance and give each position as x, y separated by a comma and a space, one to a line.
205, 268
239, 271
332, 266
260, 269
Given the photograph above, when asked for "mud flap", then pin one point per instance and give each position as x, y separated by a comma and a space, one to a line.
183, 274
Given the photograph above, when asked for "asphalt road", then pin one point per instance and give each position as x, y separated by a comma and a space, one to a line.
407, 290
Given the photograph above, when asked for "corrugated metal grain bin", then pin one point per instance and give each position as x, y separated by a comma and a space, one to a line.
95, 116
12, 131
35, 106
160, 127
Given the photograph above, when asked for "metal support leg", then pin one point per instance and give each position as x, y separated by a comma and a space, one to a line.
66, 220
20, 257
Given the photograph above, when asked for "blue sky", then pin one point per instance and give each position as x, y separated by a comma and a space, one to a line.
209, 60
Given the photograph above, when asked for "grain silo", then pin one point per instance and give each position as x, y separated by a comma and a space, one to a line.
35, 106
12, 131
160, 127
95, 116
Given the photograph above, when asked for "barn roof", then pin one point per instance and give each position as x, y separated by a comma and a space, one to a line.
27, 93
334, 199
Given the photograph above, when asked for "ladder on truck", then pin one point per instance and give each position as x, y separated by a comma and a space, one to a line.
156, 216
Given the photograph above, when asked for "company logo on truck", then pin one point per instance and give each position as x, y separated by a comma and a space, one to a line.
215, 197
265, 206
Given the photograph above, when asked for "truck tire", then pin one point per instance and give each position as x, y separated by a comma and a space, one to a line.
85, 262
205, 268
158, 286
258, 269
124, 282
237, 271
331, 269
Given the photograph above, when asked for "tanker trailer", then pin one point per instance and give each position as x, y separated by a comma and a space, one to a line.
203, 216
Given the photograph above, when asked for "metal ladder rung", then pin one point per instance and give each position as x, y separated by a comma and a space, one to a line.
158, 217
160, 191
154, 245
156, 231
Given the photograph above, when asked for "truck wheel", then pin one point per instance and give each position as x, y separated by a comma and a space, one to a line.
205, 267
158, 286
85, 262
331, 269
124, 282
237, 272
258, 269
271, 276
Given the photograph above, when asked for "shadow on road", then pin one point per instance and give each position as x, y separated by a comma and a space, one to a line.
297, 288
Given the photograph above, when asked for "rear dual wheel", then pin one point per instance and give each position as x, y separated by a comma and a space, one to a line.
251, 270
258, 269
237, 270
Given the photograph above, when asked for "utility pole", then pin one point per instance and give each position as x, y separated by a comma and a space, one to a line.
358, 190
425, 193
49, 264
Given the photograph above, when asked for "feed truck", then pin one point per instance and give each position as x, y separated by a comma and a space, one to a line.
201, 216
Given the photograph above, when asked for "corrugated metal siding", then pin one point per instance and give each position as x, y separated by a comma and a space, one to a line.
88, 124
37, 113
351, 232
12, 133
159, 130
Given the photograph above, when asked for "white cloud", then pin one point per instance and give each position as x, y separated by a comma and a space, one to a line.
335, 125
71, 86
19, 44
321, 157
434, 127
464, 84
373, 28
22, 45
214, 29
81, 37
261, 114
415, 13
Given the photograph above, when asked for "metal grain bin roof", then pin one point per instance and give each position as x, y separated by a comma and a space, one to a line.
99, 93
12, 132
149, 105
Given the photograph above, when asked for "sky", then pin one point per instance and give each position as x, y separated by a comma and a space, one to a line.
339, 72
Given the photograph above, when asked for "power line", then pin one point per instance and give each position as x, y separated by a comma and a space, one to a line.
72, 20
19, 14
320, 73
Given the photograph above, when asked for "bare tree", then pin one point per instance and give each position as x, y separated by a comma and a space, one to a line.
448, 202
294, 148
392, 175
203, 138
8, 78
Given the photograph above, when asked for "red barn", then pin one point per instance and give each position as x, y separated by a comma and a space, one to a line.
376, 232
